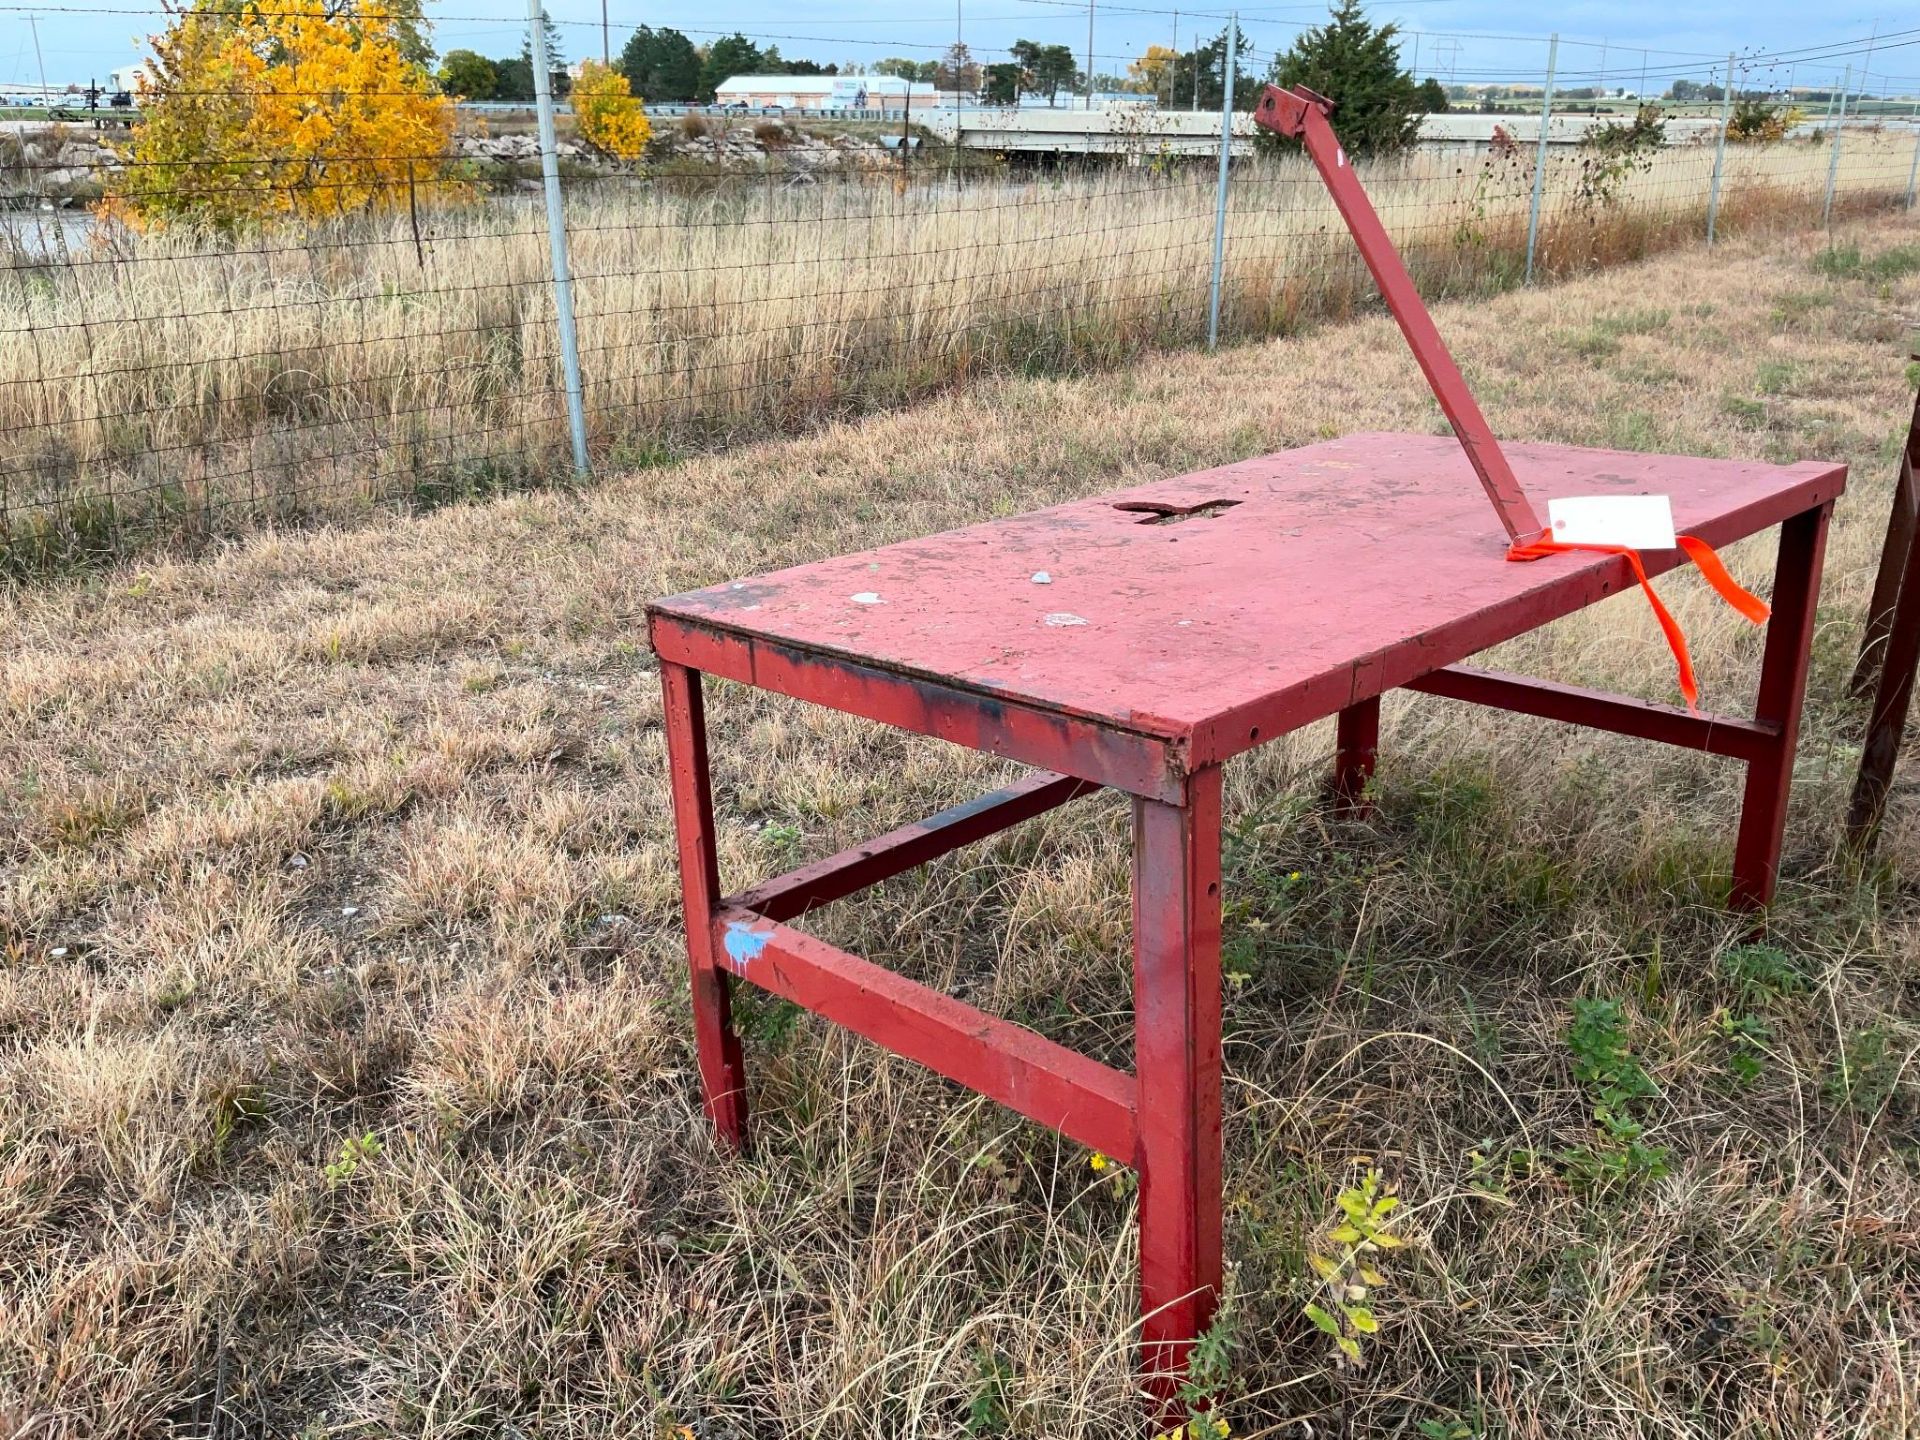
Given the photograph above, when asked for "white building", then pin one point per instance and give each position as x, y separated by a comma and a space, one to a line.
128, 77
825, 92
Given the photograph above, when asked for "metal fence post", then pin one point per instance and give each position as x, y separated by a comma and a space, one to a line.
1720, 153
1833, 162
557, 235
1540, 155
1220, 198
1913, 170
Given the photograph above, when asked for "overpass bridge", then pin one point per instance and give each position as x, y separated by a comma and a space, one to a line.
1143, 131
1136, 131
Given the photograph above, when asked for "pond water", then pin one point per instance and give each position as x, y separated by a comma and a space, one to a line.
45, 234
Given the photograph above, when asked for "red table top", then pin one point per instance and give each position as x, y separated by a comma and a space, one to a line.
1341, 570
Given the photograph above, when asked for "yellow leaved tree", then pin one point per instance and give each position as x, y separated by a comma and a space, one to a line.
606, 114
255, 113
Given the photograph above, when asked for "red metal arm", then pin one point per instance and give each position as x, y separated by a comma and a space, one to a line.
1299, 114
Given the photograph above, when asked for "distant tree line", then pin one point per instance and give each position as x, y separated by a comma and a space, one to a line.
1350, 60
661, 66
469, 75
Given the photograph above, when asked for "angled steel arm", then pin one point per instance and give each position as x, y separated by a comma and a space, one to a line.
1299, 114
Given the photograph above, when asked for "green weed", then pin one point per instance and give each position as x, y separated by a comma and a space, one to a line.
1762, 972
987, 1407
1747, 1037
355, 1152
1209, 1369
1867, 1073
1348, 1276
1847, 262
1616, 1081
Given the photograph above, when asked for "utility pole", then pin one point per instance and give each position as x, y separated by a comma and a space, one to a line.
606, 38
1089, 54
1173, 65
33, 23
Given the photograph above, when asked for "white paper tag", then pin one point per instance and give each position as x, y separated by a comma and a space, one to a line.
1640, 522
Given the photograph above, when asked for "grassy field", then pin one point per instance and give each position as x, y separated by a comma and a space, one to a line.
345, 1084
173, 387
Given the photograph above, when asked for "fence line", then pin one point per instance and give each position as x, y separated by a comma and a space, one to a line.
469, 328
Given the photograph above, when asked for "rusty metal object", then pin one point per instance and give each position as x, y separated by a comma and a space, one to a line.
1887, 722
1903, 522
1890, 650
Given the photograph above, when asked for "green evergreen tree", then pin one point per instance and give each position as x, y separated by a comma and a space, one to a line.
727, 57
661, 65
1207, 66
1001, 84
1355, 64
1045, 69
513, 78
558, 80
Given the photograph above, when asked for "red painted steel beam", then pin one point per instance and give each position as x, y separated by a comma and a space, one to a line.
723, 1070
1400, 666
1783, 687
1356, 752
1597, 710
1176, 1022
1302, 115
1081, 1098
994, 725
838, 876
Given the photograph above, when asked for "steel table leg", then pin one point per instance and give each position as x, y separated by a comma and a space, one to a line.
1356, 746
1892, 696
1176, 1000
1783, 682
1903, 523
723, 1075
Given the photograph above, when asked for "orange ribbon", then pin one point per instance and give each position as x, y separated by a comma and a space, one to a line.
1704, 560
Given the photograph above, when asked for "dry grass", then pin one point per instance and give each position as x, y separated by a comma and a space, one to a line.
166, 386
362, 833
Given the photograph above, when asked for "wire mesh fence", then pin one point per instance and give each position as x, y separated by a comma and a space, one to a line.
178, 381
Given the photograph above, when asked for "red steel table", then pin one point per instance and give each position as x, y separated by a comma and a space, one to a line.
1139, 641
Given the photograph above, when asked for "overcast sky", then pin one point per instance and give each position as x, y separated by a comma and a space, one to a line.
1466, 40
